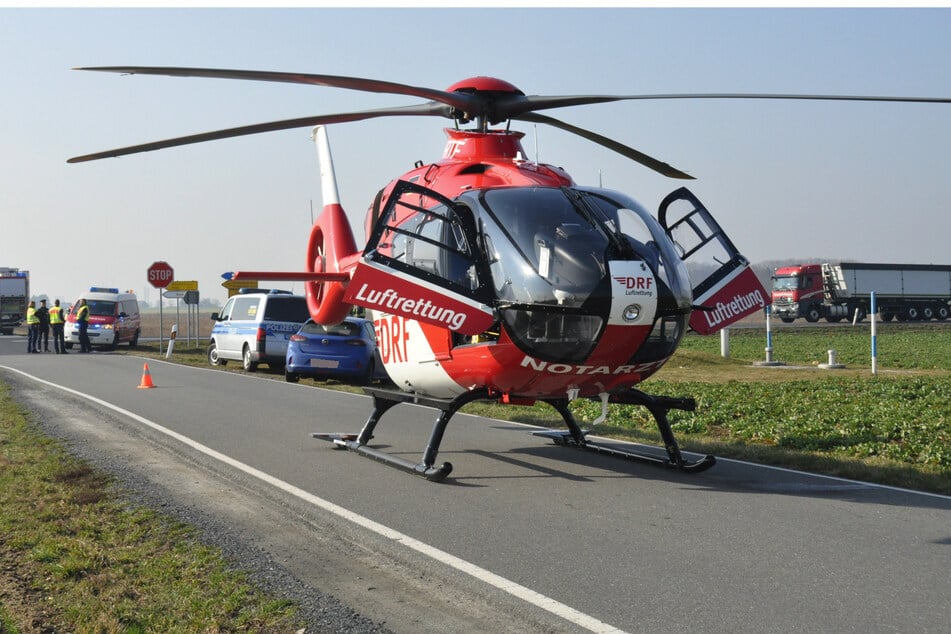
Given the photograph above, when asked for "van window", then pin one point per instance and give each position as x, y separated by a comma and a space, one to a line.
226, 311
287, 309
245, 308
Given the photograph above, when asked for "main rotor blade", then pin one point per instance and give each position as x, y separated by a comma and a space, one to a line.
620, 148
427, 109
514, 105
493, 107
460, 101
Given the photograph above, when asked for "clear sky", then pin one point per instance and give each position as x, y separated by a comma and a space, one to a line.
786, 179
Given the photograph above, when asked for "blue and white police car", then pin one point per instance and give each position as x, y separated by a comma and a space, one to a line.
255, 326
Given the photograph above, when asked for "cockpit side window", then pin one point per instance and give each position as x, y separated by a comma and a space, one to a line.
429, 236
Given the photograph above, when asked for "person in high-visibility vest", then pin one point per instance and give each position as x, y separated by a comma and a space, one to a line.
82, 318
57, 323
33, 328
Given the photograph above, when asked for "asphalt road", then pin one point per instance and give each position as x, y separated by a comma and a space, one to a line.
524, 535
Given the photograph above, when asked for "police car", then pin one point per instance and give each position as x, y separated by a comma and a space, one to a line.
255, 326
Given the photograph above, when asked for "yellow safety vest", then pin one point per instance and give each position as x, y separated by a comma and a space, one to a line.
56, 315
83, 313
31, 317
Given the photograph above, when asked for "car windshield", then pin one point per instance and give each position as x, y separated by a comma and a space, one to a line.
789, 283
101, 308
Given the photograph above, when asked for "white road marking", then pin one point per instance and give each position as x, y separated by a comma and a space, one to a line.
517, 590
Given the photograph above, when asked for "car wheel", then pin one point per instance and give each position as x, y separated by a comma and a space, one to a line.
291, 377
246, 362
213, 357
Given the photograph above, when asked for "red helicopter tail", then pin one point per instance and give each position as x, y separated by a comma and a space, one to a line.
331, 250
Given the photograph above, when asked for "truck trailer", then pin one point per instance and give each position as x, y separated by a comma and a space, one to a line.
14, 298
843, 290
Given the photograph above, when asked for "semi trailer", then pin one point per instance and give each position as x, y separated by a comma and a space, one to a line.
843, 290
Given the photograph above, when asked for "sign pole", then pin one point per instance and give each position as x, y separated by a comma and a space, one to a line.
160, 275
161, 321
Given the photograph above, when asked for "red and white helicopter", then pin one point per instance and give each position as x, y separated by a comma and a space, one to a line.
492, 277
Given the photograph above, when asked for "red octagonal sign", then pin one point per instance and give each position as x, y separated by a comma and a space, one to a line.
160, 274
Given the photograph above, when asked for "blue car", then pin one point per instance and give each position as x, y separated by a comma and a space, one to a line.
346, 351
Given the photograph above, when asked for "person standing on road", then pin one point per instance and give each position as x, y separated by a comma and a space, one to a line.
32, 327
57, 323
82, 318
43, 335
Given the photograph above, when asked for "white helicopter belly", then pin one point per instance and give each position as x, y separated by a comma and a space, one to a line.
409, 358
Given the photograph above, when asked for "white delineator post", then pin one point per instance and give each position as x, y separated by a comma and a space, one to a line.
874, 321
171, 341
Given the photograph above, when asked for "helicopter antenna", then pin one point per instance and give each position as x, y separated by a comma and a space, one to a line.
535, 125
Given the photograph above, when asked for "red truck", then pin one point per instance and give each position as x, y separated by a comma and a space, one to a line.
837, 291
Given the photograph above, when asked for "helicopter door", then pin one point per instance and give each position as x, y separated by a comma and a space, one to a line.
729, 289
421, 263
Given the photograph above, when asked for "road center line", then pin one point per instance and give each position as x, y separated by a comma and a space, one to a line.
517, 590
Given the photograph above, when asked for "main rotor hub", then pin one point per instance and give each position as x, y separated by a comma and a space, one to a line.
486, 95
484, 84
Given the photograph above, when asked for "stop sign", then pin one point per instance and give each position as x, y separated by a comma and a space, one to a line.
160, 274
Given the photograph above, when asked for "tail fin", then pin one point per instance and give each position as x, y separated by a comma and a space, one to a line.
331, 249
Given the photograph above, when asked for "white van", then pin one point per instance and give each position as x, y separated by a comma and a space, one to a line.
255, 326
113, 319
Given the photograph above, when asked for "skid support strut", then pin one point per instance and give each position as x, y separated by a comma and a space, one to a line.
658, 406
383, 400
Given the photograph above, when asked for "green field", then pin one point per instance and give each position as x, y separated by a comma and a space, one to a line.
900, 346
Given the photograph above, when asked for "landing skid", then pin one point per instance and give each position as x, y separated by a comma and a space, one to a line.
384, 399
658, 406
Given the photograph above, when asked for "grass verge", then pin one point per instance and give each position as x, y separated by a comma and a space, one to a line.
76, 556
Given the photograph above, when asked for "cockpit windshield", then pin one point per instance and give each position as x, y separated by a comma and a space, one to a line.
548, 252
558, 255
563, 240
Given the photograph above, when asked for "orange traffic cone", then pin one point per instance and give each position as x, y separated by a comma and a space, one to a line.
146, 378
